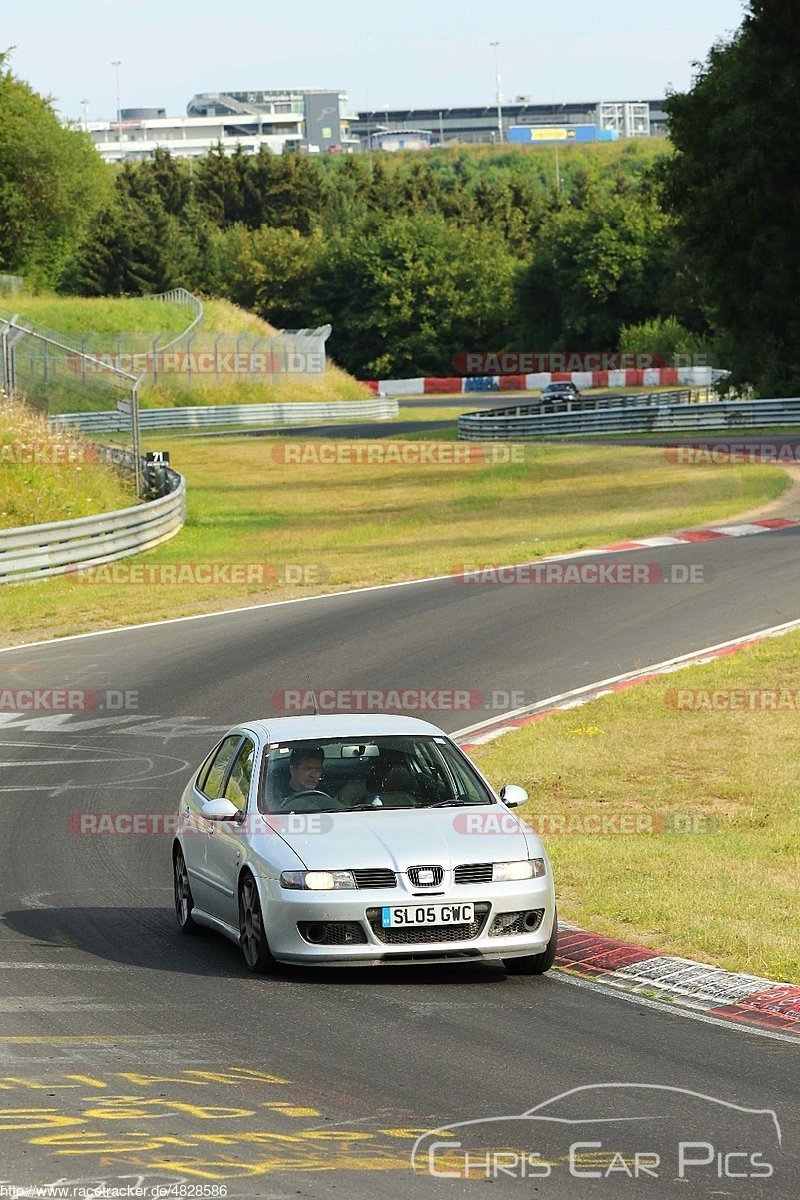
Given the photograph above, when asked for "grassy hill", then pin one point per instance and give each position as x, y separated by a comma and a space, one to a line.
139, 321
51, 477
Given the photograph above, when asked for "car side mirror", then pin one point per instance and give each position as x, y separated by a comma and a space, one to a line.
512, 795
219, 810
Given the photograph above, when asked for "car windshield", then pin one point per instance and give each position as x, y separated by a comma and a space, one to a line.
375, 773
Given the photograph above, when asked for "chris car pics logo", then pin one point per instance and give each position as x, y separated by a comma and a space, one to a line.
639, 1132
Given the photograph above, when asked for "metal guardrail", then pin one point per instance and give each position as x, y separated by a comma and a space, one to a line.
202, 416
39, 551
732, 416
548, 404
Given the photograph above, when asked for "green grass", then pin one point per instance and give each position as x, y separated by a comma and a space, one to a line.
356, 525
115, 315
143, 320
103, 314
62, 481
726, 893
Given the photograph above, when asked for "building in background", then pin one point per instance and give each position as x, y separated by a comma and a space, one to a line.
400, 139
546, 135
645, 118
324, 114
316, 121
313, 121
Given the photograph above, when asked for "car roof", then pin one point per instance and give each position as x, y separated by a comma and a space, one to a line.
333, 725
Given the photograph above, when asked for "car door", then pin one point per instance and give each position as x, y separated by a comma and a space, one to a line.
198, 829
225, 846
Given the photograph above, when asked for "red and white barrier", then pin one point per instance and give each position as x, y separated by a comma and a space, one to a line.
651, 377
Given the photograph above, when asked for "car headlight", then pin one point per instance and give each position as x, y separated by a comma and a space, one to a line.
318, 881
529, 868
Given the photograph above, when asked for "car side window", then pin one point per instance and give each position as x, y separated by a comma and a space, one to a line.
212, 786
237, 789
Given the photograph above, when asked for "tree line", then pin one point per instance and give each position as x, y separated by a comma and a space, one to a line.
675, 246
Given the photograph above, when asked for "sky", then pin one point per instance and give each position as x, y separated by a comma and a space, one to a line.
421, 53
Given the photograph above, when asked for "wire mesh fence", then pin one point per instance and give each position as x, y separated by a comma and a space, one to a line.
200, 357
11, 284
48, 372
74, 372
53, 370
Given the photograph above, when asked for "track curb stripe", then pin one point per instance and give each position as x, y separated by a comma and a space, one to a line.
731, 996
699, 535
734, 996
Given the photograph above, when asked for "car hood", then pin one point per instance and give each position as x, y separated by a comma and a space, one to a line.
402, 838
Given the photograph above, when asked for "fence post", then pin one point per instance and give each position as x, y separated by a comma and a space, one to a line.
4, 367
136, 440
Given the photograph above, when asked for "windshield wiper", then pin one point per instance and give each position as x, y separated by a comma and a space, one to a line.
453, 804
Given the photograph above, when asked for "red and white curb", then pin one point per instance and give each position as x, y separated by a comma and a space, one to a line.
495, 574
495, 727
531, 382
696, 535
728, 995
717, 993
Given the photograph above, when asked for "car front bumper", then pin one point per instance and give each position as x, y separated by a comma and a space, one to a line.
357, 911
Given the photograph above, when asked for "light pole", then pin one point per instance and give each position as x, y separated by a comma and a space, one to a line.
116, 64
495, 46
85, 106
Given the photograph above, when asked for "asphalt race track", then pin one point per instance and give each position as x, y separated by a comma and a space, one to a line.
131, 1054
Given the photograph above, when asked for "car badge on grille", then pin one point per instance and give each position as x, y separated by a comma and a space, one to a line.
425, 876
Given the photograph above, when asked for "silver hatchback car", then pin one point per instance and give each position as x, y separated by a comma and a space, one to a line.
333, 840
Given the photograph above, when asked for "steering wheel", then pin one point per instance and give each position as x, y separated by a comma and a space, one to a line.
289, 801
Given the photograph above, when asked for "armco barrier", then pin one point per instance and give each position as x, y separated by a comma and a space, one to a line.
731, 416
590, 403
38, 551
651, 377
202, 416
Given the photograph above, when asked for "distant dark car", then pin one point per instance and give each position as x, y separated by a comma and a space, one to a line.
560, 391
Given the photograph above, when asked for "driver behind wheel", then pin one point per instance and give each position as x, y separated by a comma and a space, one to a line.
305, 770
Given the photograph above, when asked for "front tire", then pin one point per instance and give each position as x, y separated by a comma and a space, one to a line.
184, 901
535, 964
252, 936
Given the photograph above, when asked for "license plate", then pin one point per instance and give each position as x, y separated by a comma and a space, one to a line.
428, 914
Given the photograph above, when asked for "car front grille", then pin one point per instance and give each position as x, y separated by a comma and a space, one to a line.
417, 935
375, 877
415, 872
332, 933
516, 922
474, 873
